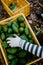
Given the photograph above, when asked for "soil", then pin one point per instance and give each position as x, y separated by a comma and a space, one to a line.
3, 13
35, 21
41, 2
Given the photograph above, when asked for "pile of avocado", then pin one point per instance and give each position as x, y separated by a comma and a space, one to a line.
13, 7
16, 56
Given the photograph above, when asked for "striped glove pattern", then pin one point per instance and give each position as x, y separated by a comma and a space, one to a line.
32, 48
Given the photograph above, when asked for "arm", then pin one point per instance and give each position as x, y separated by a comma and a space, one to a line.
32, 48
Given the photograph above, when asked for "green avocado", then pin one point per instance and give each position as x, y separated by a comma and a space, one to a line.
9, 30
21, 29
31, 41
13, 7
18, 34
15, 29
26, 31
14, 62
19, 49
22, 61
11, 56
20, 19
2, 36
22, 25
0, 27
15, 24
4, 44
5, 28
9, 35
12, 50
9, 23
24, 37
29, 36
22, 54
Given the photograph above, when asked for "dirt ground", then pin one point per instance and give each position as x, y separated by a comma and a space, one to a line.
35, 21
3, 13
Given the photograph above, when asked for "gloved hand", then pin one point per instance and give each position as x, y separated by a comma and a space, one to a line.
32, 48
15, 42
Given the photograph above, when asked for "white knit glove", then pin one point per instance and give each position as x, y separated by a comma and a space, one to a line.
15, 41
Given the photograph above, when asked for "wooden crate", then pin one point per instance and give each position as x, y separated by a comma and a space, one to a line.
1, 58
23, 7
31, 31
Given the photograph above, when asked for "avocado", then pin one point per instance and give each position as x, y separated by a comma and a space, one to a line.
19, 49
24, 37
22, 54
5, 28
15, 24
14, 62
0, 27
26, 31
9, 35
21, 29
20, 19
13, 7
29, 36
2, 36
22, 25
9, 30
9, 23
4, 44
31, 41
12, 50
11, 56
18, 34
22, 61
15, 28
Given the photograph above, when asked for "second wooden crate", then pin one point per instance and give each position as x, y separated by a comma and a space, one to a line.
23, 7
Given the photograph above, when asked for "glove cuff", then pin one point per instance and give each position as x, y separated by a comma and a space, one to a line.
21, 43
